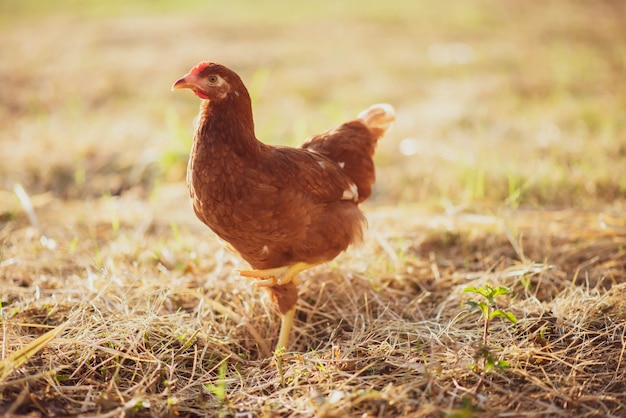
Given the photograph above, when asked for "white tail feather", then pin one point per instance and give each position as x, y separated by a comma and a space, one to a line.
378, 116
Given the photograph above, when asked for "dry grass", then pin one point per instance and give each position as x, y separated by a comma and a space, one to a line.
503, 169
161, 327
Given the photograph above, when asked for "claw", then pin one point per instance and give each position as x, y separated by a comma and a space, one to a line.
267, 282
276, 276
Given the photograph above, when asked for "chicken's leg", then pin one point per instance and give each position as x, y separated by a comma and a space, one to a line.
277, 276
281, 283
286, 322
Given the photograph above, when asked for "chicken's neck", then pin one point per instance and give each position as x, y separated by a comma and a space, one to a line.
227, 127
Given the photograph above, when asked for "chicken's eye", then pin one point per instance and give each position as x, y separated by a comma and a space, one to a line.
212, 79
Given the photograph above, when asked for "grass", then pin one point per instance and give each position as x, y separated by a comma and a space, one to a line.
503, 170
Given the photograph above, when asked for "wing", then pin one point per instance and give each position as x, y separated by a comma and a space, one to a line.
309, 172
291, 205
351, 146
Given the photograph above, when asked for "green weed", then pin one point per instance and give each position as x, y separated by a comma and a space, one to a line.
488, 312
220, 387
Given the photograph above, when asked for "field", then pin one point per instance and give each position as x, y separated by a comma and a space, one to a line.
504, 171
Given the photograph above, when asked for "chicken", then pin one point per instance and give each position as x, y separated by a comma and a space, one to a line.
282, 209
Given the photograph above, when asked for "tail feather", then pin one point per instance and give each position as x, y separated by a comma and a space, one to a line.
378, 117
353, 143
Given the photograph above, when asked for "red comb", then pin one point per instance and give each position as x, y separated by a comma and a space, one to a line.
198, 68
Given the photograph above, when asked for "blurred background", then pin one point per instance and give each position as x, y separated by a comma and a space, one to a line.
499, 102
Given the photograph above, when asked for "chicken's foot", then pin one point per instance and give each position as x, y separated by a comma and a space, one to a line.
277, 276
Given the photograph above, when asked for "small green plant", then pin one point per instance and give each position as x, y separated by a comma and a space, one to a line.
219, 388
278, 357
488, 313
525, 280
466, 410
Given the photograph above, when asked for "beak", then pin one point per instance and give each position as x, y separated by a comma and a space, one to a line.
189, 81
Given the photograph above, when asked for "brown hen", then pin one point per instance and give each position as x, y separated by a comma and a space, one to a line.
282, 209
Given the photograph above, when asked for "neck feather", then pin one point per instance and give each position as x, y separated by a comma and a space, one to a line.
229, 123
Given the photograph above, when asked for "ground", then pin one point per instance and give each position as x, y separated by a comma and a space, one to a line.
504, 169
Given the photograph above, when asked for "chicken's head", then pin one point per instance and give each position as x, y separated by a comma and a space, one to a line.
209, 81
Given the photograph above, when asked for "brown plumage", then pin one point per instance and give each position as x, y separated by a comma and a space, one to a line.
282, 209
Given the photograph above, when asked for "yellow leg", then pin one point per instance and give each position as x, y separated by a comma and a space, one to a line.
277, 276
286, 323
